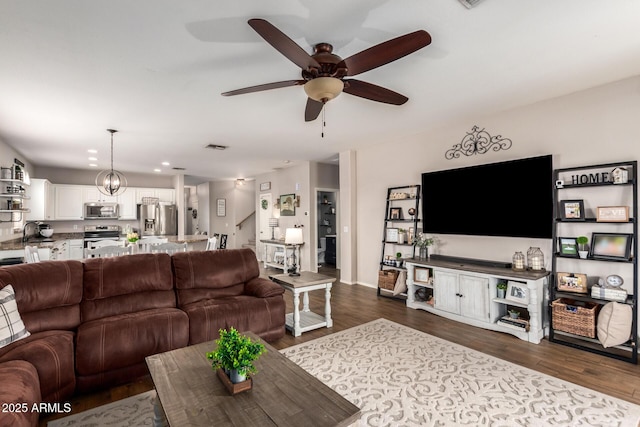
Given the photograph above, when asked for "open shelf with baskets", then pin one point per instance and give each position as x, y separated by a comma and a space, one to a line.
400, 227
600, 203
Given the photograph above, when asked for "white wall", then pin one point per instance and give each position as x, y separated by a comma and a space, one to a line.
589, 127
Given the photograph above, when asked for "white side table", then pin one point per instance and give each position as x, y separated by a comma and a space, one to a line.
306, 320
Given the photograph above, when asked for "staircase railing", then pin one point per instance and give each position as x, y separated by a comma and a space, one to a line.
239, 225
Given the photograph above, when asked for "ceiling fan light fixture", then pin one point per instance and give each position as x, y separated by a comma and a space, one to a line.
323, 89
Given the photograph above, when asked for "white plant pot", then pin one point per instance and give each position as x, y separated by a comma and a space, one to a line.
583, 254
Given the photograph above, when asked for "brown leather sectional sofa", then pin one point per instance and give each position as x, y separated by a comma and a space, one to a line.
92, 323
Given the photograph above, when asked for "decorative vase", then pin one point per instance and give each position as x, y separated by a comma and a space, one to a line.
583, 254
502, 293
236, 376
424, 252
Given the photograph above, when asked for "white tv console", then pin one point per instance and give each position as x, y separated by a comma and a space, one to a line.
467, 293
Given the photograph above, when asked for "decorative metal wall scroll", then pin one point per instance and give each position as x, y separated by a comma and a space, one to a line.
478, 141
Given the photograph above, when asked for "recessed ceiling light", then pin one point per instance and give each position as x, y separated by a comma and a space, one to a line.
93, 159
286, 161
93, 165
165, 163
92, 151
157, 170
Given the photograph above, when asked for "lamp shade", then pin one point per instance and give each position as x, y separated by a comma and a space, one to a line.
293, 236
323, 89
273, 222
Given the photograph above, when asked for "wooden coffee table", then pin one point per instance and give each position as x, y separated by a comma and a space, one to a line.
306, 320
283, 394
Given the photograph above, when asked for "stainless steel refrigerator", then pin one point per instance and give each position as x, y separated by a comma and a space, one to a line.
159, 219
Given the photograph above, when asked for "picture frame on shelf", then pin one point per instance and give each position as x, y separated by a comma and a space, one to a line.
572, 210
568, 246
611, 246
395, 213
572, 282
612, 214
287, 205
392, 235
518, 292
421, 275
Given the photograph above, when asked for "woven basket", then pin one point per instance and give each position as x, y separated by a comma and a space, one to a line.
575, 317
387, 279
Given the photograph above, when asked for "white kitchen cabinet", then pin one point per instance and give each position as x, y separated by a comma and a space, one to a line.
162, 194
60, 250
68, 202
91, 194
128, 206
467, 293
76, 249
40, 202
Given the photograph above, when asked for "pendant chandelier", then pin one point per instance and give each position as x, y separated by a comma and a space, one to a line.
111, 182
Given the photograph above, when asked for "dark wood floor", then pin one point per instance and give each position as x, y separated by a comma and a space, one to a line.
353, 305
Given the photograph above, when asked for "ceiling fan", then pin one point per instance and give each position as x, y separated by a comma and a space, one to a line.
323, 72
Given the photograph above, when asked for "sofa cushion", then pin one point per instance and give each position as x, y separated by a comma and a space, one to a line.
126, 284
19, 381
124, 340
11, 326
48, 293
52, 354
203, 275
263, 316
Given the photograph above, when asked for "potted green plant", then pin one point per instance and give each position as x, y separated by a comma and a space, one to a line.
235, 354
502, 288
583, 246
514, 314
398, 259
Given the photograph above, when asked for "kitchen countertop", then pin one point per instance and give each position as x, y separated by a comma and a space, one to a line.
188, 238
37, 241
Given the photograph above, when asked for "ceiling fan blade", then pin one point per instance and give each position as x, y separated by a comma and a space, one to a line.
373, 92
267, 86
283, 44
386, 52
313, 109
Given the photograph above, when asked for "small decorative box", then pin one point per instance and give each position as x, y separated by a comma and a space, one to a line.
608, 293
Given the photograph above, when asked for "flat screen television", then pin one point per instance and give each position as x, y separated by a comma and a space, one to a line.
512, 199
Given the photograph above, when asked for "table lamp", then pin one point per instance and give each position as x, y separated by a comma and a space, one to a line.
293, 236
273, 223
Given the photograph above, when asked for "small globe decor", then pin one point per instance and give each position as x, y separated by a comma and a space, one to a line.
233, 359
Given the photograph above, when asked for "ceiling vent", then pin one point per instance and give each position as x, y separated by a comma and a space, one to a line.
217, 147
178, 169
470, 3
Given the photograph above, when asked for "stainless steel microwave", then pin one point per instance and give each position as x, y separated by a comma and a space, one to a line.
96, 210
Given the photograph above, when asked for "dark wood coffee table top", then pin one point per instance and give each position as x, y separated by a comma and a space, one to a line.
283, 394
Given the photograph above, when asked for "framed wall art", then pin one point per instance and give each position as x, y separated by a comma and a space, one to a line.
287, 205
518, 292
568, 246
221, 207
572, 210
572, 282
264, 186
614, 246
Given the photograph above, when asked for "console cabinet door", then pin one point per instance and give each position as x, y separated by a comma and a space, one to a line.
474, 297
445, 291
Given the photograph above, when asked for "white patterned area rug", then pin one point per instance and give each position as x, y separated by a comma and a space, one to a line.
133, 411
399, 376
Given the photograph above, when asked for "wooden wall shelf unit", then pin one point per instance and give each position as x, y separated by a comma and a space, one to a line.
592, 186
467, 293
399, 201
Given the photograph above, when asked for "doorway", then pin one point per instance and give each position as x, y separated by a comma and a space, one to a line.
265, 212
327, 228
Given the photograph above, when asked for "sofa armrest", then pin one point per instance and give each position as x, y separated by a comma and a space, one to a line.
262, 288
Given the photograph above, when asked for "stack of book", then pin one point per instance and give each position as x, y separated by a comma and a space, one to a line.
510, 322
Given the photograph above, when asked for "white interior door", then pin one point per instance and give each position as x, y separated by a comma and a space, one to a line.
265, 212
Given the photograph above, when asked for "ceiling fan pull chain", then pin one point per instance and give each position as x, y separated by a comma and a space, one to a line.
324, 123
